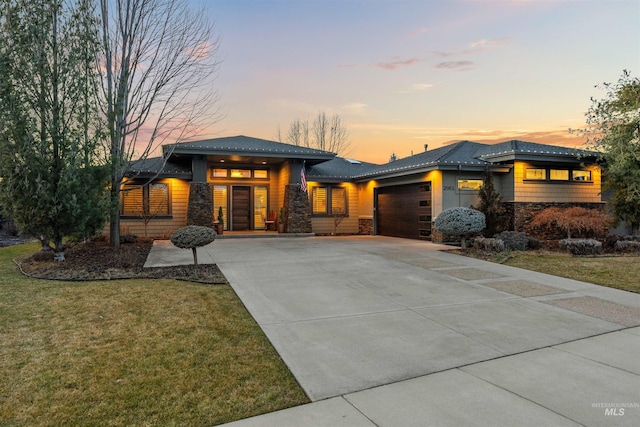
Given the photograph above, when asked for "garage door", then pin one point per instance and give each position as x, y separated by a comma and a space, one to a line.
404, 211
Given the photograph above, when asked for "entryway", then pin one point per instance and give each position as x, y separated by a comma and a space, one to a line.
241, 208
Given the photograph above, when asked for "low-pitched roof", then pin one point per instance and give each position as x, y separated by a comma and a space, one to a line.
248, 146
156, 166
462, 155
523, 150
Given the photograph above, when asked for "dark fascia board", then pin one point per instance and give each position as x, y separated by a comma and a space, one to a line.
161, 175
470, 167
254, 152
539, 157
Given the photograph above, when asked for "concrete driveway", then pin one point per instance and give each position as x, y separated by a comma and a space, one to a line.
386, 331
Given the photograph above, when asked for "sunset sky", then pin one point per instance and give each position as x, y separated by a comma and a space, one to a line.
405, 73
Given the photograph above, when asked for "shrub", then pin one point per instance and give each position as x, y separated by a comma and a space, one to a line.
533, 243
581, 246
627, 246
128, 238
574, 220
460, 222
489, 244
492, 207
192, 237
514, 240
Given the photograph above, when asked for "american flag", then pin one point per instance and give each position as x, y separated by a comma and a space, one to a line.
303, 178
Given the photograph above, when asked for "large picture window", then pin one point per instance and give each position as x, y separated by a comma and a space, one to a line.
145, 200
329, 200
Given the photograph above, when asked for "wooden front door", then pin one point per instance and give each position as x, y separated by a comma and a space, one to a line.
241, 208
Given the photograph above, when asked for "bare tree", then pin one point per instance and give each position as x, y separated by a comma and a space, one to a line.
326, 133
299, 133
158, 57
330, 134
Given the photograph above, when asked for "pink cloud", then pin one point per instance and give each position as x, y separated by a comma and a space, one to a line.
454, 65
394, 65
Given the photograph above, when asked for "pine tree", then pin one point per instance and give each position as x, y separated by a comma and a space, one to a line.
51, 182
491, 206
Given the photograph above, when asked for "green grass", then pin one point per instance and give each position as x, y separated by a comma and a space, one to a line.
620, 272
131, 352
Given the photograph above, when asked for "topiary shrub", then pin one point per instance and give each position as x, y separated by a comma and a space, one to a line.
627, 246
581, 246
192, 237
514, 240
460, 222
489, 244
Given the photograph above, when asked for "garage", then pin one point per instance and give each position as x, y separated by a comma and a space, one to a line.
404, 211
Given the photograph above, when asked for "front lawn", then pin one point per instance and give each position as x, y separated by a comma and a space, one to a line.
131, 352
620, 272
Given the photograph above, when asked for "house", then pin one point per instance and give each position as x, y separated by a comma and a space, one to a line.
249, 177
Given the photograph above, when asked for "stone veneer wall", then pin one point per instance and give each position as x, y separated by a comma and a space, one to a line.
365, 226
297, 210
200, 210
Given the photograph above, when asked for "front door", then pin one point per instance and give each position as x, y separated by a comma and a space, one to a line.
241, 208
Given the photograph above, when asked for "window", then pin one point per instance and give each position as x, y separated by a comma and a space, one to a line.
536, 174
260, 173
319, 200
559, 175
579, 175
333, 197
424, 218
425, 188
338, 200
148, 200
470, 184
240, 173
220, 201
260, 206
219, 173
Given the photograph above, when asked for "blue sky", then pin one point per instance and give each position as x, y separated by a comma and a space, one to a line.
406, 73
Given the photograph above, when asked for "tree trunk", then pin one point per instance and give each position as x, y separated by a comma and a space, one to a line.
114, 217
195, 255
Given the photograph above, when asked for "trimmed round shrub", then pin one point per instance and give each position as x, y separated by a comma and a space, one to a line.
514, 240
460, 222
581, 246
489, 244
629, 246
192, 237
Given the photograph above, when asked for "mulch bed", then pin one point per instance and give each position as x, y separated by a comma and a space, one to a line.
96, 260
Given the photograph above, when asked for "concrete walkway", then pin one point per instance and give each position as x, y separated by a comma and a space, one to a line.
393, 332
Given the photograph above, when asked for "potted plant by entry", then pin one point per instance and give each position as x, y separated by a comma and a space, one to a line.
219, 224
281, 221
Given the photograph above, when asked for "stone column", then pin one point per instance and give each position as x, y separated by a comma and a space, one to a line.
297, 210
200, 211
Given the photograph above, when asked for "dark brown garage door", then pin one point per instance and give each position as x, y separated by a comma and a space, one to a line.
404, 211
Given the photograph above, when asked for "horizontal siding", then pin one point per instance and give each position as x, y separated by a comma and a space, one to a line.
163, 228
561, 192
350, 225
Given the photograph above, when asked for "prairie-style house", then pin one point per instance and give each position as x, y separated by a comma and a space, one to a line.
253, 180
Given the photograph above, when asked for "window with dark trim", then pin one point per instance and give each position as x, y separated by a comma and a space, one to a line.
329, 200
145, 200
557, 175
240, 173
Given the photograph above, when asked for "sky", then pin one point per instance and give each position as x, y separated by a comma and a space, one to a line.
405, 73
